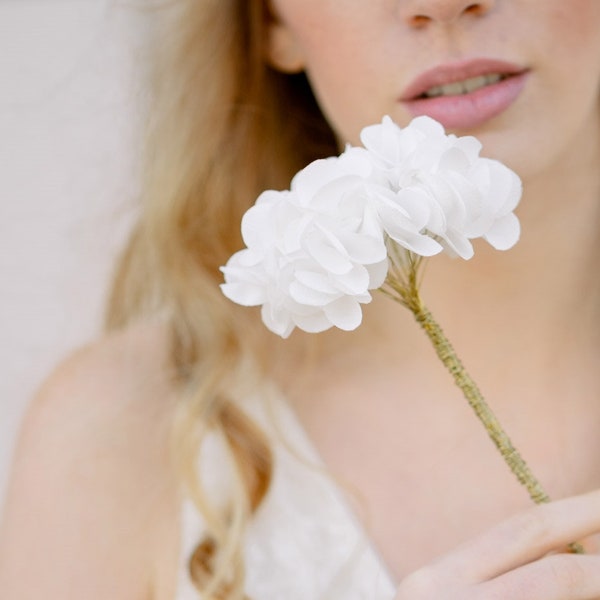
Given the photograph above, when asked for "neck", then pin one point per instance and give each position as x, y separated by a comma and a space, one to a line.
513, 316
549, 280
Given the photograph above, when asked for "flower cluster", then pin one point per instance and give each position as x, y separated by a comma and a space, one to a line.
314, 252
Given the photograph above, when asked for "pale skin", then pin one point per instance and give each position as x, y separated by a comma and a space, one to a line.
440, 507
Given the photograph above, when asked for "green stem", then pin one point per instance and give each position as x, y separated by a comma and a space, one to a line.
402, 286
484, 413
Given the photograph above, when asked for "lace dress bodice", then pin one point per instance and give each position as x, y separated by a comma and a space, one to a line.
304, 543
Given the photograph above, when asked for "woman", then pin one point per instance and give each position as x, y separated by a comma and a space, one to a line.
95, 502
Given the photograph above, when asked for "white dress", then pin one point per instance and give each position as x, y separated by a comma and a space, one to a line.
304, 543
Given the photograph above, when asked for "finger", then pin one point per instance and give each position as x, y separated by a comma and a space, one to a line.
556, 577
524, 538
590, 544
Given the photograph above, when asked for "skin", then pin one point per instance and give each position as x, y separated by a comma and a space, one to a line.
483, 539
62, 535
361, 56
359, 59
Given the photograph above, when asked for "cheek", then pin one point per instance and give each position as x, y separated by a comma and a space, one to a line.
577, 55
345, 91
339, 86
355, 85
574, 27
342, 49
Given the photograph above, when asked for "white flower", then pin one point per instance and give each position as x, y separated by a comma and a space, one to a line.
314, 252
466, 196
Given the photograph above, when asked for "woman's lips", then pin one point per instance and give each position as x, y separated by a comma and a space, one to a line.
467, 110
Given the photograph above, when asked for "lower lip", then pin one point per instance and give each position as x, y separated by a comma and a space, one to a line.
468, 111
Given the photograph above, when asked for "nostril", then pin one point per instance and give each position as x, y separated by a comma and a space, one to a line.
419, 21
421, 14
474, 9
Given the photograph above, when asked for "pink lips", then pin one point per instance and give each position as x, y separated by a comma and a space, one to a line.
465, 111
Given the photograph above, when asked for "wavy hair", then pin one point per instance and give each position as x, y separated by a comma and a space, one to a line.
222, 126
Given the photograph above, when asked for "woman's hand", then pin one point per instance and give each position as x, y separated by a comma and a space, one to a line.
523, 558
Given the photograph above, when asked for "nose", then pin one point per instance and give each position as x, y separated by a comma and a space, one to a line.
418, 13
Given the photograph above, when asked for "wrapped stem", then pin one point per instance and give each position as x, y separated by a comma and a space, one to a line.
402, 286
469, 388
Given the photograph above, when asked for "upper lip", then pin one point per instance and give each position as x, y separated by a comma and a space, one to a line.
459, 71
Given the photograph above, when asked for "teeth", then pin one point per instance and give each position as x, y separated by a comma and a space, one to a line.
475, 83
463, 87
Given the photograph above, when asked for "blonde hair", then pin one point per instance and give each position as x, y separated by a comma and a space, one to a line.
222, 126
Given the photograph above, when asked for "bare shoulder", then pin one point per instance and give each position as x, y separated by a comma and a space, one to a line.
117, 391
120, 362
92, 500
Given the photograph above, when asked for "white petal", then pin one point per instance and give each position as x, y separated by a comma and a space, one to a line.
470, 145
246, 294
277, 320
382, 141
457, 244
364, 249
293, 231
371, 225
332, 259
430, 127
356, 161
356, 281
505, 233
417, 204
309, 296
377, 273
345, 313
307, 182
420, 244
477, 214
244, 259
451, 205
313, 323
317, 280
507, 185
454, 158
257, 223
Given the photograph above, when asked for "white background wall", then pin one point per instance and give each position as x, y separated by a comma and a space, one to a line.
68, 109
